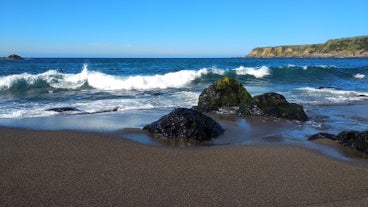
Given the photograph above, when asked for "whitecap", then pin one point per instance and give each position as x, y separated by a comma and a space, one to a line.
102, 81
215, 70
256, 72
326, 66
359, 76
9, 81
177, 79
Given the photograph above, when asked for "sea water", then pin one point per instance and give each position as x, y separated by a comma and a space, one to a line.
109, 94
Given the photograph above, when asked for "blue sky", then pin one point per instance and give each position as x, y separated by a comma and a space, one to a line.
157, 28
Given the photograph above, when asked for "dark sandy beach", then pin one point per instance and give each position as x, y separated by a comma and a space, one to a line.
63, 168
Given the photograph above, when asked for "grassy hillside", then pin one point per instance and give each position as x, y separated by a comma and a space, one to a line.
344, 47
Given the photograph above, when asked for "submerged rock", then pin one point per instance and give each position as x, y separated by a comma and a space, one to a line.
63, 109
322, 136
186, 124
225, 92
273, 105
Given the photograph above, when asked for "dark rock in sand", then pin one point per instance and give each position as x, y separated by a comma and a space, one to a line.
273, 105
322, 136
225, 92
354, 139
186, 124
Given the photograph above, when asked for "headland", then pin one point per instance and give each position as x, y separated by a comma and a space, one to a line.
335, 48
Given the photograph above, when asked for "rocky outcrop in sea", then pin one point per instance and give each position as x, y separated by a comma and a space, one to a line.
227, 92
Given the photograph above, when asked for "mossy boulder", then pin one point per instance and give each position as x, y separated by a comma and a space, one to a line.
185, 124
273, 105
225, 92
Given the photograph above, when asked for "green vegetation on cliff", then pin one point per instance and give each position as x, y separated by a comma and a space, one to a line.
344, 47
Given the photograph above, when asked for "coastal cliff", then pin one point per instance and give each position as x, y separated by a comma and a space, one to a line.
344, 47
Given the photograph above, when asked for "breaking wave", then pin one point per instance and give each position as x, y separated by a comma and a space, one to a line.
256, 72
359, 76
102, 81
53, 79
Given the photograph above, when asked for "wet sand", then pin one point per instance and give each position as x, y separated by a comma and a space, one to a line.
64, 168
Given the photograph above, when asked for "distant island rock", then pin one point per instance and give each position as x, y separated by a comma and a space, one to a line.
335, 48
12, 57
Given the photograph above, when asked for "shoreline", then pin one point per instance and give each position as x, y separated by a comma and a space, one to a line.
69, 168
239, 131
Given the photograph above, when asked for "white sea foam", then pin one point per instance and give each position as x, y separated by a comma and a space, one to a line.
306, 67
217, 71
146, 102
256, 72
359, 76
331, 95
326, 66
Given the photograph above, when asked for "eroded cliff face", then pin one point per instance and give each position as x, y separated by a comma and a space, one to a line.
345, 47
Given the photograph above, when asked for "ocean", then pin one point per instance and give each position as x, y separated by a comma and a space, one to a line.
117, 94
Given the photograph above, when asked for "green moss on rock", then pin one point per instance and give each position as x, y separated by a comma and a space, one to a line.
225, 92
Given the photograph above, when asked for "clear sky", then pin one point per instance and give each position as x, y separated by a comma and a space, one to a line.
170, 28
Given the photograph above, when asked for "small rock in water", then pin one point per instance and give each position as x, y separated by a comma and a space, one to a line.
225, 92
63, 109
322, 136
